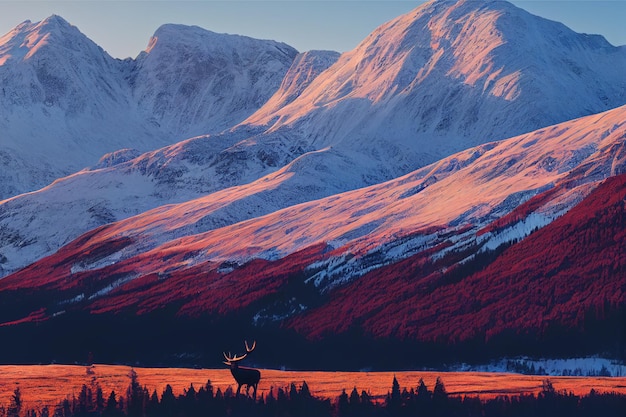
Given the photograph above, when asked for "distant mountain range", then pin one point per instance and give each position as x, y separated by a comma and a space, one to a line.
65, 102
455, 186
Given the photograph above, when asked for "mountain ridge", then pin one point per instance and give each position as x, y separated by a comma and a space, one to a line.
425, 214
322, 152
414, 44
336, 191
66, 102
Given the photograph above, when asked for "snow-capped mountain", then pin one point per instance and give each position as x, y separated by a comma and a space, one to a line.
436, 80
65, 102
375, 186
191, 81
57, 89
470, 195
450, 75
304, 70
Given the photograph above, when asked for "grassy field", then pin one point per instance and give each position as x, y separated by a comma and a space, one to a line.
48, 384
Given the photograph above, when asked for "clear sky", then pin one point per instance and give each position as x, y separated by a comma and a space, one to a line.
123, 27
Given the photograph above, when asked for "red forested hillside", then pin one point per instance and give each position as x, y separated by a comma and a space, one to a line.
570, 268
205, 288
561, 275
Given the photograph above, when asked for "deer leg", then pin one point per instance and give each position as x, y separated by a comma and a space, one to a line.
238, 389
254, 392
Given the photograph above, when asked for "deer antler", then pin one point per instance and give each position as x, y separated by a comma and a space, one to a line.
230, 359
235, 358
250, 349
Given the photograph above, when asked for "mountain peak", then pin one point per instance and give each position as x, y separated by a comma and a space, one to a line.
177, 27
54, 26
172, 37
492, 49
29, 38
55, 21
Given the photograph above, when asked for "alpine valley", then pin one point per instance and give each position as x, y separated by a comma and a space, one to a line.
453, 189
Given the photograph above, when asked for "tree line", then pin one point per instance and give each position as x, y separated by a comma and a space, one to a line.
298, 401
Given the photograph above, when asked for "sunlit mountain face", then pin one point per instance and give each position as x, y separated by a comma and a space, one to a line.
65, 102
453, 189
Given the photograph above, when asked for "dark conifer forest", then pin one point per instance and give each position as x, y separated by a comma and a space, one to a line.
297, 400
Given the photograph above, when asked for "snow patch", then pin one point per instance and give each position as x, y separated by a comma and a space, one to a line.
587, 366
518, 231
117, 283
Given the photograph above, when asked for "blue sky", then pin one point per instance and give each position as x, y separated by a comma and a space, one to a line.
123, 28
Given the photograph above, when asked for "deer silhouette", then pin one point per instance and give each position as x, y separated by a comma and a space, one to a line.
249, 377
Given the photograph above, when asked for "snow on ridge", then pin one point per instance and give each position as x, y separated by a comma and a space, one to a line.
473, 44
220, 223
335, 271
176, 34
27, 38
75, 103
117, 283
445, 77
584, 366
341, 142
518, 231
227, 77
546, 214
383, 223
424, 209
305, 68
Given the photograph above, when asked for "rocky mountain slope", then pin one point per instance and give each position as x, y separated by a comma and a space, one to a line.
434, 81
450, 75
385, 258
65, 102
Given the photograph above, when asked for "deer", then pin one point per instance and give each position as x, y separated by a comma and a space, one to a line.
249, 377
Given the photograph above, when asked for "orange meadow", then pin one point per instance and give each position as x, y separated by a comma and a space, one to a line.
49, 384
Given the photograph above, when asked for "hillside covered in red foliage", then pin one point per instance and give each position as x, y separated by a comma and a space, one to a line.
560, 275
568, 278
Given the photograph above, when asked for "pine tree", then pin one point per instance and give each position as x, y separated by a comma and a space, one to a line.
84, 401
422, 399
218, 394
440, 402
394, 399
208, 387
190, 394
343, 405
135, 398
99, 399
304, 390
293, 392
168, 401
439, 392
111, 407
66, 408
15, 406
366, 399
152, 408
188, 401
355, 399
